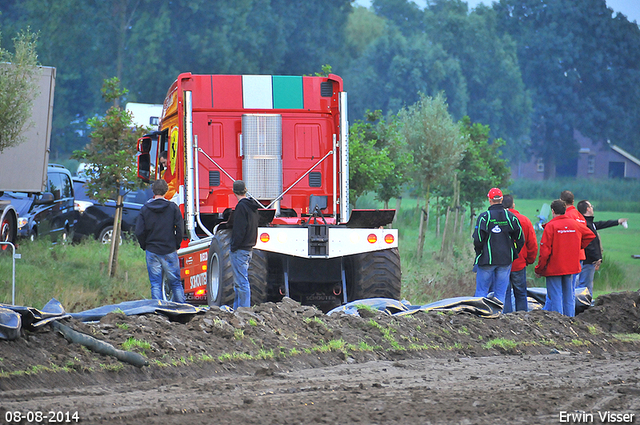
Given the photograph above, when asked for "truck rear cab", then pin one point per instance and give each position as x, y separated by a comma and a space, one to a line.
287, 138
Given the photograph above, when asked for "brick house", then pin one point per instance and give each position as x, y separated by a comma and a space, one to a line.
595, 160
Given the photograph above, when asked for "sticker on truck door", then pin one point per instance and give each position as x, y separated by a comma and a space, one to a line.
173, 149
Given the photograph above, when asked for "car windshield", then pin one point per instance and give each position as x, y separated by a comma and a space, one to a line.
80, 191
14, 195
22, 202
134, 197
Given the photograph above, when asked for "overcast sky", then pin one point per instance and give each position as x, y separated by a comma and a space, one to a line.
630, 8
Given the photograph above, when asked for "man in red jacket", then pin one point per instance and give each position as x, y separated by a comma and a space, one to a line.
528, 253
572, 211
560, 246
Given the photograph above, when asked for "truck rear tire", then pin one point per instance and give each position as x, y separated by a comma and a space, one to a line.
374, 275
220, 274
258, 277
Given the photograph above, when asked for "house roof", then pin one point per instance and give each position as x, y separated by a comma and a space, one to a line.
626, 154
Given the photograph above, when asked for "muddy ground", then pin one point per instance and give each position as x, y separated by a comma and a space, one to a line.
285, 363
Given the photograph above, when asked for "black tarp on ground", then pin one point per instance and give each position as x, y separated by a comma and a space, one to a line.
480, 306
537, 297
13, 318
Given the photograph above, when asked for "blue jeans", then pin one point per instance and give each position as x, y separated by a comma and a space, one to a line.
518, 282
586, 277
169, 264
561, 296
240, 260
576, 277
496, 277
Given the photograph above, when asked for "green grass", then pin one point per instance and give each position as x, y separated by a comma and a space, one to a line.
505, 344
75, 275
131, 343
628, 337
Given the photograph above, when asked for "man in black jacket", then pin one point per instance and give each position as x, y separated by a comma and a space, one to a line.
497, 240
593, 251
159, 229
243, 238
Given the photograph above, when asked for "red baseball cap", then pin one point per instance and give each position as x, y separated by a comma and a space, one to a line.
494, 193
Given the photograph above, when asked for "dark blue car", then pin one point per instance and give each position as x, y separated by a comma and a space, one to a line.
50, 213
96, 219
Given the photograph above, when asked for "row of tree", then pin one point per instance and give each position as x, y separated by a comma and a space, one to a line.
532, 70
422, 147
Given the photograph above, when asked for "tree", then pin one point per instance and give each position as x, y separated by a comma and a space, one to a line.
436, 144
313, 32
405, 15
18, 89
111, 155
582, 72
394, 70
377, 158
482, 166
389, 138
363, 28
489, 62
368, 164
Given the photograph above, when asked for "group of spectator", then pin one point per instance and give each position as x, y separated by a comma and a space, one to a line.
505, 243
159, 229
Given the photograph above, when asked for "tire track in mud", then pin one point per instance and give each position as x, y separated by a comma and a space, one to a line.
466, 390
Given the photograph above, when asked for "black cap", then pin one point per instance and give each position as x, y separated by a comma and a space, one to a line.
239, 187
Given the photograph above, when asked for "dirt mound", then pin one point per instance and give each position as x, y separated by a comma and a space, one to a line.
617, 312
297, 336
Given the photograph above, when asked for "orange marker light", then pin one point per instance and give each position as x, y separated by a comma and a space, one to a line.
389, 238
204, 267
200, 292
372, 238
264, 238
187, 271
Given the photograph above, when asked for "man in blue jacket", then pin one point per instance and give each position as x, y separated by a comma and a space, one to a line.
497, 240
159, 230
244, 236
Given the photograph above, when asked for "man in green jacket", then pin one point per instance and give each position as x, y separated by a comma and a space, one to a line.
497, 240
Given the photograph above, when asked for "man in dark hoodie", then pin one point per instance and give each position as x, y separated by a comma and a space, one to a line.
159, 230
497, 240
243, 238
593, 251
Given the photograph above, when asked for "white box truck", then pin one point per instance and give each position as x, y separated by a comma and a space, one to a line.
23, 168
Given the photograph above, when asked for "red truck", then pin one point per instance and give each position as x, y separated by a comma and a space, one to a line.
287, 138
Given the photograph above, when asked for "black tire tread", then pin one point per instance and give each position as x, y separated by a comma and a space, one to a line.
220, 244
258, 277
375, 275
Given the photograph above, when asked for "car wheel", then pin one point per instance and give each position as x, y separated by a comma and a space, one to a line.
106, 234
7, 231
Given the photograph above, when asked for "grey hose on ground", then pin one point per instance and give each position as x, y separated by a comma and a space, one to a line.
99, 346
